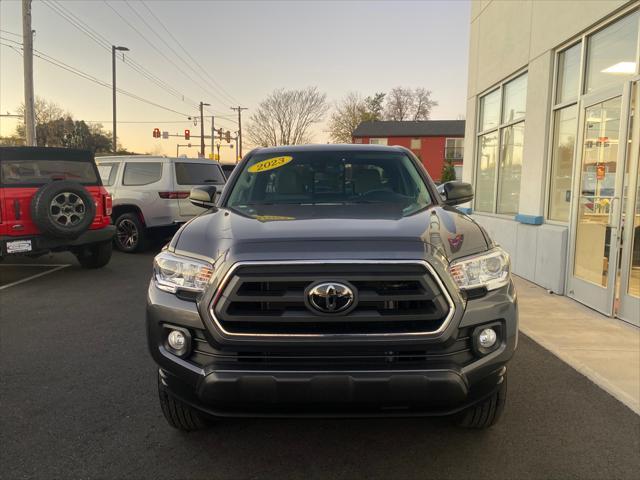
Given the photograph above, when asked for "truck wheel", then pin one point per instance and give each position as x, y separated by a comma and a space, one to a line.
63, 209
486, 413
180, 415
95, 255
131, 235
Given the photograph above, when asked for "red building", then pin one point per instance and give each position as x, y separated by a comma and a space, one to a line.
433, 141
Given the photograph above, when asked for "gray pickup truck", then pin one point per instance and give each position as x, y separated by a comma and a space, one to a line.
331, 280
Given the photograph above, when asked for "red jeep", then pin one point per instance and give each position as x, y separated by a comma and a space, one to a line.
52, 199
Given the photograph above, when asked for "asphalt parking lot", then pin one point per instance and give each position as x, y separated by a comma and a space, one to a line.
78, 400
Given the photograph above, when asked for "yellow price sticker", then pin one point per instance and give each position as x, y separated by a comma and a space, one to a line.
269, 164
272, 218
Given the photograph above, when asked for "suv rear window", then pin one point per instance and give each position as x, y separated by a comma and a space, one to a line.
198, 173
142, 173
39, 172
108, 173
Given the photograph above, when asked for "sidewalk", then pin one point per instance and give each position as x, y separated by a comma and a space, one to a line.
605, 350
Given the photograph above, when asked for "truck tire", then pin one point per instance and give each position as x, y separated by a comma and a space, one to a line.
63, 209
178, 414
486, 413
131, 235
95, 255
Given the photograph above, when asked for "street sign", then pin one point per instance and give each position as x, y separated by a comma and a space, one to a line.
165, 135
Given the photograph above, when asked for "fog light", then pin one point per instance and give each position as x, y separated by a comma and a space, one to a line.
177, 340
487, 338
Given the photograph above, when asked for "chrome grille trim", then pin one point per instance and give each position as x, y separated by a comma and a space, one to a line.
427, 265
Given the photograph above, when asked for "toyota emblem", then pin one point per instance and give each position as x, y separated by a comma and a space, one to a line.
331, 297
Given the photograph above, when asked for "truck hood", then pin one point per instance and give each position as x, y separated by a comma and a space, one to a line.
271, 231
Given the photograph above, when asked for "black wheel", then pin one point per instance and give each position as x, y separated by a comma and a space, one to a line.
131, 235
63, 209
486, 413
178, 414
95, 255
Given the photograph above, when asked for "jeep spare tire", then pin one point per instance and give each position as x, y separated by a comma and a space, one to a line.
63, 209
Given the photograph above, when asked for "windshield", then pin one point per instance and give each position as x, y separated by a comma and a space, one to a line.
330, 177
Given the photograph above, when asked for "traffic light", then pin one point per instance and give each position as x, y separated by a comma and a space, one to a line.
187, 134
156, 133
220, 133
227, 136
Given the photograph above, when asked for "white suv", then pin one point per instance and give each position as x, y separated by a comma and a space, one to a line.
151, 194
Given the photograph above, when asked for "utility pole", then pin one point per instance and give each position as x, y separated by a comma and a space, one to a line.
239, 109
213, 132
237, 137
202, 105
113, 83
29, 101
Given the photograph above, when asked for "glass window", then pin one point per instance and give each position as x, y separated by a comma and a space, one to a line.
564, 143
486, 175
454, 149
378, 141
39, 172
511, 151
198, 173
612, 53
348, 178
142, 173
514, 104
108, 173
489, 111
568, 74
416, 144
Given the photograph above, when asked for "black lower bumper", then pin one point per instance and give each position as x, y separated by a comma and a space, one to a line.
41, 244
284, 393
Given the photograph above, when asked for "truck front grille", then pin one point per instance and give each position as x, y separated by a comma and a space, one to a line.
392, 298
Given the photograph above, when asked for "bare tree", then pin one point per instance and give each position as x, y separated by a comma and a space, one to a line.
422, 104
406, 104
350, 112
286, 116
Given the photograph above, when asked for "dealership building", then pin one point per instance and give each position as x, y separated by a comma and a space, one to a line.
552, 142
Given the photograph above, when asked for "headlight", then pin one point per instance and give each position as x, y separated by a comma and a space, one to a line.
174, 272
490, 270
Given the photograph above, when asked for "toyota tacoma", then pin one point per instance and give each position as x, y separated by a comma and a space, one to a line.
331, 280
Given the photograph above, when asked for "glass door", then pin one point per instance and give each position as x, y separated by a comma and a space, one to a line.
628, 290
596, 206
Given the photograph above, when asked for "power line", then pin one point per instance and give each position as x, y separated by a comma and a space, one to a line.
229, 96
11, 33
86, 76
104, 43
179, 56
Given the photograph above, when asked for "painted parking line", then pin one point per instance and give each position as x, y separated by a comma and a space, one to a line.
50, 269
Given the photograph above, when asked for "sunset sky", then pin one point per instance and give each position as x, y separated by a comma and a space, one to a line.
242, 51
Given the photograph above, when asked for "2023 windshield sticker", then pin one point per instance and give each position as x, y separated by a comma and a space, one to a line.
269, 164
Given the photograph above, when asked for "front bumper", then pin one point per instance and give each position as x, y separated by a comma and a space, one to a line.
244, 381
42, 244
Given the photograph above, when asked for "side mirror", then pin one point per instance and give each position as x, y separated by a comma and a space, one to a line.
206, 196
455, 193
